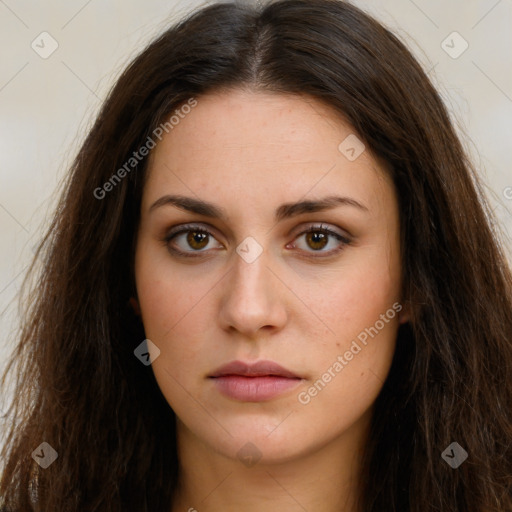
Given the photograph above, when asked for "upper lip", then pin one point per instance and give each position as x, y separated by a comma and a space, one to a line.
258, 369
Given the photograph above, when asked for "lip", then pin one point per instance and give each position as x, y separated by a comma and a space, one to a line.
254, 382
258, 369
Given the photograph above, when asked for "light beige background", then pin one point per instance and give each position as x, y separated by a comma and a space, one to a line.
46, 105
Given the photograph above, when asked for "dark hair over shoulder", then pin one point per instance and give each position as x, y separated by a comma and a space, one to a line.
78, 385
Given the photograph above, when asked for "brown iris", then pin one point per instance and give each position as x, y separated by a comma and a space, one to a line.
315, 237
197, 237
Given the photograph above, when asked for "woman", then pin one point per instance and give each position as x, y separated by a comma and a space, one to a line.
192, 345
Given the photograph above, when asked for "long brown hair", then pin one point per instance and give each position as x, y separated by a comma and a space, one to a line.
79, 386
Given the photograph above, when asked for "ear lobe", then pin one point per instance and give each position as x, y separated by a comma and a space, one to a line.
135, 305
404, 315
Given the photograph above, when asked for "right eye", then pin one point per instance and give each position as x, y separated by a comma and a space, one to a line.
189, 237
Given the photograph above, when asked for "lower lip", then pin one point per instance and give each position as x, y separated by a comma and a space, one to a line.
254, 389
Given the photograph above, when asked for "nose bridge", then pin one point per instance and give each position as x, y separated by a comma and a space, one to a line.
250, 301
250, 273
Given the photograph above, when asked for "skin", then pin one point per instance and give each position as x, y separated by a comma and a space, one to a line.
249, 152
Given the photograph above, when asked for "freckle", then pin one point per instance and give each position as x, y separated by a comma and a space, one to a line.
337, 343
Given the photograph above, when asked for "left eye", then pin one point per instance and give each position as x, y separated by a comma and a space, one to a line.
318, 238
197, 238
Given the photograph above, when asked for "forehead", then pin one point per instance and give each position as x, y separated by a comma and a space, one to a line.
241, 121
258, 144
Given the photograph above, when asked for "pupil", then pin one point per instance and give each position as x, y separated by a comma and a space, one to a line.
195, 238
318, 238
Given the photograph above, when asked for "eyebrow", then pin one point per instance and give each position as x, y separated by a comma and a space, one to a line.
285, 211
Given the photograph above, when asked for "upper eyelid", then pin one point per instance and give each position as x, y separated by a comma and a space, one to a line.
344, 238
210, 229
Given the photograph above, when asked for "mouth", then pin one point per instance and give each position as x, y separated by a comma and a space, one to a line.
256, 382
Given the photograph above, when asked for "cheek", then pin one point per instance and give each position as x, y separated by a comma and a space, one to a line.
354, 299
352, 363
350, 372
171, 298
172, 309
176, 323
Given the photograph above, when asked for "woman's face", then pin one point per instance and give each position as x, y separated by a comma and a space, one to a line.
247, 283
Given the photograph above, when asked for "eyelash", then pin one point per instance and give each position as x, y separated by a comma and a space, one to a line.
198, 229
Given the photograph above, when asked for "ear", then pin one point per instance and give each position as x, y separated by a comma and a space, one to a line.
135, 305
404, 315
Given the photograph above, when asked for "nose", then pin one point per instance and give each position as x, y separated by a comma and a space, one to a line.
253, 298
